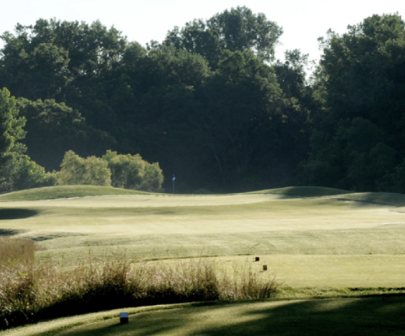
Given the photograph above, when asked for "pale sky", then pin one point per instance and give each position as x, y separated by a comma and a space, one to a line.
303, 21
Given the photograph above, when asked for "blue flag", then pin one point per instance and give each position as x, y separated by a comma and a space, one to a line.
174, 177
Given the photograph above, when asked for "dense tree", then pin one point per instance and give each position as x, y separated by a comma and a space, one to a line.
52, 129
237, 29
11, 130
39, 61
159, 101
16, 169
211, 105
361, 84
33, 70
242, 116
8, 112
355, 158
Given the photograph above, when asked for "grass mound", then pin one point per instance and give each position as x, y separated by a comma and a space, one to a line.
303, 191
66, 191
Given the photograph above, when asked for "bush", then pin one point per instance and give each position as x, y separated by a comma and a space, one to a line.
77, 170
22, 173
122, 171
132, 172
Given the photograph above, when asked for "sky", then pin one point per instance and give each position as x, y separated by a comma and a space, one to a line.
303, 21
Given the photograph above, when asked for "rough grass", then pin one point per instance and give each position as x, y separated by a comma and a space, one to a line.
30, 292
16, 251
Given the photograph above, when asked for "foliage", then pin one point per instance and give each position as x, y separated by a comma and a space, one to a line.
131, 172
17, 170
356, 158
122, 171
11, 125
23, 173
243, 113
41, 60
208, 105
152, 100
235, 30
358, 134
77, 170
52, 129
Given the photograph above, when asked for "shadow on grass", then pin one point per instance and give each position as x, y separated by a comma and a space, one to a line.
298, 192
7, 232
7, 214
377, 199
361, 316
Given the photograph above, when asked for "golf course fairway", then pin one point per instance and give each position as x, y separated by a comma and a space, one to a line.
308, 237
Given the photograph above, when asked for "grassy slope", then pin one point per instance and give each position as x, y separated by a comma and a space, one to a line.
331, 238
303, 191
46, 193
339, 239
361, 316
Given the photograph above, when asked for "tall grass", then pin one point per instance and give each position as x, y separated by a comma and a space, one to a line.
16, 250
30, 292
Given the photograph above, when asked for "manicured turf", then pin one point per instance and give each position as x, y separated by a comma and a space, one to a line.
359, 316
316, 241
64, 192
352, 239
302, 191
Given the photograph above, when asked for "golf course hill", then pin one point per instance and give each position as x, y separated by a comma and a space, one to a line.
69, 191
66, 191
77, 191
346, 248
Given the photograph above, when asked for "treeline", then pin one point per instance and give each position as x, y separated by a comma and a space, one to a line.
18, 171
212, 105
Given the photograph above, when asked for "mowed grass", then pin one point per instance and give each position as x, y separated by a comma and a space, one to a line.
318, 242
338, 239
359, 316
64, 192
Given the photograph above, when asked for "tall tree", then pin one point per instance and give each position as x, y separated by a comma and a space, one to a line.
242, 111
39, 61
17, 171
11, 128
361, 82
52, 129
237, 29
